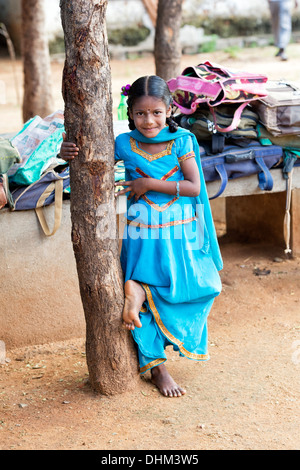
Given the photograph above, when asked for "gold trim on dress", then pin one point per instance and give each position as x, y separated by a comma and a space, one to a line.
163, 178
148, 156
156, 206
170, 173
142, 173
199, 357
186, 156
151, 364
133, 223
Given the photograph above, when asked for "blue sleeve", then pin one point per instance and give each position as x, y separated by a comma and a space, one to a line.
185, 149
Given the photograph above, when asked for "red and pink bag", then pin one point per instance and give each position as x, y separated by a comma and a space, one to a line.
211, 84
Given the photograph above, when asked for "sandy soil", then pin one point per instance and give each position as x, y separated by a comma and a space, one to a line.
245, 397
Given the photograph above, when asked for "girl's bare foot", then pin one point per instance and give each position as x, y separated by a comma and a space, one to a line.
164, 382
134, 298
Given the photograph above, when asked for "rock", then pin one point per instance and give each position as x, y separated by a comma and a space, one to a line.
168, 421
261, 272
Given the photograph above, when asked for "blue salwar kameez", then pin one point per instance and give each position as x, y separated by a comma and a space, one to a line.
170, 247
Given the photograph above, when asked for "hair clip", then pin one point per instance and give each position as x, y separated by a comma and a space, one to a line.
125, 89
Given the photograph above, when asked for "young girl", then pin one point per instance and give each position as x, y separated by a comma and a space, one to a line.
170, 255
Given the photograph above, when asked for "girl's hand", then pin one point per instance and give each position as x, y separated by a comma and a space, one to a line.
135, 188
68, 150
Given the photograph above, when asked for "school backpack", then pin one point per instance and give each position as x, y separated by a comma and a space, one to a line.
214, 85
201, 123
237, 162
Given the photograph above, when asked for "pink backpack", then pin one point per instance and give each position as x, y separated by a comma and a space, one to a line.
211, 84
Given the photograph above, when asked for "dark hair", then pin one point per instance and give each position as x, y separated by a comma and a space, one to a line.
151, 85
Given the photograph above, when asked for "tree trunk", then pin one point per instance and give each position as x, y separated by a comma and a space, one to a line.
167, 49
111, 357
151, 7
37, 98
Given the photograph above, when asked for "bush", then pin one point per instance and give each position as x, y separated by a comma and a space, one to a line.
233, 26
128, 36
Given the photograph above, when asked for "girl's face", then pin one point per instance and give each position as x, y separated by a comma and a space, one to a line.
149, 115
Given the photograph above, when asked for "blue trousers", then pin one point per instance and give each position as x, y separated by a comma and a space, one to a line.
281, 22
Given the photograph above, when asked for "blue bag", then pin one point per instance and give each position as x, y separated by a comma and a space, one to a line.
47, 190
237, 162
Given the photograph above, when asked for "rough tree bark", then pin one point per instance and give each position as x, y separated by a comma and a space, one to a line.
111, 356
37, 98
167, 50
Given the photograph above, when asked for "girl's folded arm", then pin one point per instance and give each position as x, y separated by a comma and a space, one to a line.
189, 186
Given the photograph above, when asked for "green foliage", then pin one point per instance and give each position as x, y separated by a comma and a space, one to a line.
209, 46
233, 51
232, 26
296, 22
57, 45
128, 36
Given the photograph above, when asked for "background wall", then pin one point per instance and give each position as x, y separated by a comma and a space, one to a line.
126, 13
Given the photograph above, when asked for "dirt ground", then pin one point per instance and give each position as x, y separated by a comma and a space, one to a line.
245, 398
